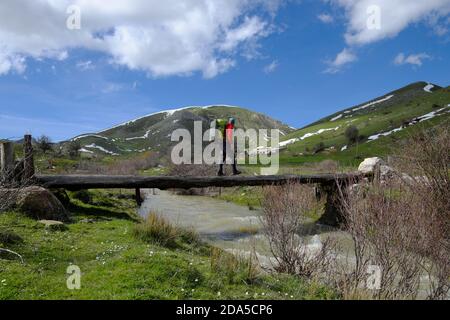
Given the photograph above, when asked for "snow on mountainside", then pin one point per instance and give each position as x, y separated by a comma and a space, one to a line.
386, 116
153, 131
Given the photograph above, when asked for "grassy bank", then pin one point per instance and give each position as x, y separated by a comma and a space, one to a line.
117, 264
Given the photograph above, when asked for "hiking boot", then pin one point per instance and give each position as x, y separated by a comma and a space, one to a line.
236, 172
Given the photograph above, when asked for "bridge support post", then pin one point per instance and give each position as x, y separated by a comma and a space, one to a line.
139, 199
332, 215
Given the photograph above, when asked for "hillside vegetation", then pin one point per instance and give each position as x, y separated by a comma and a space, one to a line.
378, 124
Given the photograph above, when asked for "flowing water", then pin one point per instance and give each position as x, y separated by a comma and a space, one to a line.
236, 228
226, 225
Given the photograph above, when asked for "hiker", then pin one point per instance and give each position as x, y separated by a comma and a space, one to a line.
226, 128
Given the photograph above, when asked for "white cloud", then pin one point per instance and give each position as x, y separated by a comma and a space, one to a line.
325, 18
412, 59
395, 17
272, 67
343, 58
162, 38
85, 65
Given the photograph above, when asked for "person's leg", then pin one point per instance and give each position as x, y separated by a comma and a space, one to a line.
224, 157
235, 169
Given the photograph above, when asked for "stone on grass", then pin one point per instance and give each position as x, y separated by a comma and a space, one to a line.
53, 225
39, 203
369, 165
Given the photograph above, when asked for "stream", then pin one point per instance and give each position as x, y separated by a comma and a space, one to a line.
224, 224
237, 229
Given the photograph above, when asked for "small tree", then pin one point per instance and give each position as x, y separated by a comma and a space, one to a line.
352, 134
44, 144
74, 149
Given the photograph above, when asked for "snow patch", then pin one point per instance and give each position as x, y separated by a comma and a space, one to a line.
89, 135
167, 113
145, 136
428, 88
373, 103
337, 117
85, 150
94, 146
344, 148
384, 134
307, 135
414, 121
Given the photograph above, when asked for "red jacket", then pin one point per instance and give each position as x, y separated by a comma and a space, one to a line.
229, 128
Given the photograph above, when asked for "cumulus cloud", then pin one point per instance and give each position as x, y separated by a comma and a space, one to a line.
412, 59
85, 65
369, 21
272, 67
325, 18
395, 16
343, 58
162, 38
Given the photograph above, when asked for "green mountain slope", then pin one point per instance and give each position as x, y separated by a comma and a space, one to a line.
379, 123
153, 132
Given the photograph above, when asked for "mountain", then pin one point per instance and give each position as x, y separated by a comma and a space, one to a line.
379, 122
153, 132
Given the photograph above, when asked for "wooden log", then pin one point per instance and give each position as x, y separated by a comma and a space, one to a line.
80, 182
28, 170
7, 161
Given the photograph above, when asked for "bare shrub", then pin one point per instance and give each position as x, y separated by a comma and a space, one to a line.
328, 166
385, 230
425, 161
402, 225
285, 209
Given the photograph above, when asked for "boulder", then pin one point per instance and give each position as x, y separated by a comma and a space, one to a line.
369, 165
62, 196
39, 203
53, 225
387, 172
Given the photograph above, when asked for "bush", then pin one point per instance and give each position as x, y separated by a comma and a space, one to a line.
8, 237
156, 229
352, 134
402, 224
319, 147
83, 195
73, 149
44, 144
285, 209
236, 269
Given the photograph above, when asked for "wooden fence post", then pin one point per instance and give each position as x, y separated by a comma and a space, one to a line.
28, 165
7, 161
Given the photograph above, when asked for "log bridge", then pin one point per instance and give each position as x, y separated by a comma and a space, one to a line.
328, 184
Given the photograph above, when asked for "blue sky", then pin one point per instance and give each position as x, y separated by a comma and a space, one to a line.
289, 69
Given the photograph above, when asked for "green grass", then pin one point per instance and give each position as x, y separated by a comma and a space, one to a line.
244, 196
117, 265
369, 122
